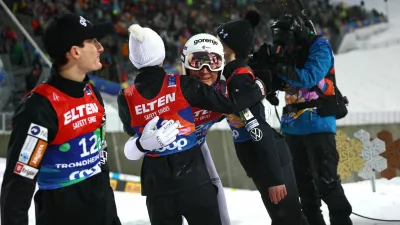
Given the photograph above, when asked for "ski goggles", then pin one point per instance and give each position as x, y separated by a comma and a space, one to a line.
197, 60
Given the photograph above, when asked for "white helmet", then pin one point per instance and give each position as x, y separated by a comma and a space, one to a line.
203, 50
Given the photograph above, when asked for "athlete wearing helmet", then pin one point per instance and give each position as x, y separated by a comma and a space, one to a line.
203, 58
174, 177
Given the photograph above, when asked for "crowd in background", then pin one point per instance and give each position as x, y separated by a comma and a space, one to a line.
174, 20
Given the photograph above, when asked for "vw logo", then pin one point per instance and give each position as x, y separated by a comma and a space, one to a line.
256, 134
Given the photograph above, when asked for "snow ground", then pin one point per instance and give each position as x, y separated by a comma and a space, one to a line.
246, 208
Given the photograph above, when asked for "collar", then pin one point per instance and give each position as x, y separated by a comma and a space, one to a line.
232, 66
149, 73
72, 88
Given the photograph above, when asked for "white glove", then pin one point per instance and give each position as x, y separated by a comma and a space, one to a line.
153, 138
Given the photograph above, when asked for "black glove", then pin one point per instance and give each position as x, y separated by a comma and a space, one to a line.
273, 99
263, 64
287, 72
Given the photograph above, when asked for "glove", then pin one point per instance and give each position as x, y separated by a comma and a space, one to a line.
287, 72
272, 99
153, 138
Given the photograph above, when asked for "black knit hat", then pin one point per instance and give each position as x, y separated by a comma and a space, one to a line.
239, 35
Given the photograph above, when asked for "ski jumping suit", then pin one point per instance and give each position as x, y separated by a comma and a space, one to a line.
58, 141
263, 152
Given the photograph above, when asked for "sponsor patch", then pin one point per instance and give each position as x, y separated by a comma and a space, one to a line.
261, 86
247, 114
252, 124
38, 131
256, 134
27, 149
24, 156
103, 157
38, 154
25, 170
88, 91
184, 130
171, 81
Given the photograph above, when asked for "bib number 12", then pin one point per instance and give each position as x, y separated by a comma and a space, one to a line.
93, 140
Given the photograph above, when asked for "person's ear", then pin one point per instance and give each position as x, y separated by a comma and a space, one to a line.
75, 52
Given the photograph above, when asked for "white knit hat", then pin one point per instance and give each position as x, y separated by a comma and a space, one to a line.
146, 48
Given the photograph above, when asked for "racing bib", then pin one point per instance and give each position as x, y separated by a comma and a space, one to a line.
76, 152
169, 104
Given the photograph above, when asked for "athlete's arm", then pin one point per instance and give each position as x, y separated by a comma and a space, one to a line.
124, 115
33, 122
265, 146
203, 96
263, 138
264, 141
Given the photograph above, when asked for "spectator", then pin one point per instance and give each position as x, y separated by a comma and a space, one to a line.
33, 77
176, 21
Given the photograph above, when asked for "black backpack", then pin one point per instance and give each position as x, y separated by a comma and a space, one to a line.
331, 105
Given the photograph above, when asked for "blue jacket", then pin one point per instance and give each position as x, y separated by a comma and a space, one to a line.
319, 61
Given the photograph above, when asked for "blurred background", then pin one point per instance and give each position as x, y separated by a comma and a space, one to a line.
365, 37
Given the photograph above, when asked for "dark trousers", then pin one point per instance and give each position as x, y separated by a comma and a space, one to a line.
315, 161
90, 202
287, 211
199, 206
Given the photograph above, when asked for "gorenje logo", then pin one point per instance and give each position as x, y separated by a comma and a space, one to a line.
205, 40
179, 145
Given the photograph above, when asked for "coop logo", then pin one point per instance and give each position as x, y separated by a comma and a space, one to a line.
176, 145
205, 41
85, 173
38, 131
235, 134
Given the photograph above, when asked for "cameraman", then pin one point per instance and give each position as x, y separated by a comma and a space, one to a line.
307, 122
